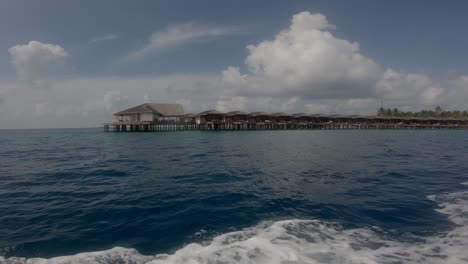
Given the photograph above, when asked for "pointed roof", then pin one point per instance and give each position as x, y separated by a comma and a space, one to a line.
260, 114
278, 114
162, 109
299, 114
369, 117
315, 115
210, 112
233, 113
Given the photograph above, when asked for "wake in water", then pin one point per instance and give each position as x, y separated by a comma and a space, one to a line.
303, 241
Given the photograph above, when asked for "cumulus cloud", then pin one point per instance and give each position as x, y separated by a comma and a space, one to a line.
307, 68
454, 94
307, 61
403, 89
35, 62
175, 35
228, 103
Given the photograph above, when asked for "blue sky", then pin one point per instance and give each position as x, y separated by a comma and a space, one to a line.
413, 54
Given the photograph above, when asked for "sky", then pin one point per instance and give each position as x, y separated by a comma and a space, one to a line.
67, 63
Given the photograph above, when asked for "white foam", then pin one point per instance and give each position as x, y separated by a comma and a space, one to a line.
303, 241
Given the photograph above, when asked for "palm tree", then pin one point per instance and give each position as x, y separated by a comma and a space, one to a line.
381, 111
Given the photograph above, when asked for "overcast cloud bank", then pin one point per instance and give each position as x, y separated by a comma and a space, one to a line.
35, 63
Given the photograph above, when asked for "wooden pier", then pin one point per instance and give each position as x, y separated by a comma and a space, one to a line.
244, 126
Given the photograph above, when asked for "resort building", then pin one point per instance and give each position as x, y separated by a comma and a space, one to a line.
260, 117
171, 117
151, 113
236, 117
210, 116
281, 117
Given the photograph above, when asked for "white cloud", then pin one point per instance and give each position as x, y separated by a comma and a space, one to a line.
304, 68
146, 98
307, 68
35, 62
175, 35
231, 103
455, 94
363, 106
404, 89
307, 61
87, 102
103, 38
263, 103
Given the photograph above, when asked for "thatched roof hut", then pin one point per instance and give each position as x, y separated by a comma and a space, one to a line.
161, 109
210, 112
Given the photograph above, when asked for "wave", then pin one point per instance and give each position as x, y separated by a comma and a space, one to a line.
302, 241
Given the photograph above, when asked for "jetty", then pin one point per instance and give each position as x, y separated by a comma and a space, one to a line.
171, 117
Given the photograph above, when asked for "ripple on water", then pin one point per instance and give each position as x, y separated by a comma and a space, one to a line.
69, 191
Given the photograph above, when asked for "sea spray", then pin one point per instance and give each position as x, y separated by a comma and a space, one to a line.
303, 241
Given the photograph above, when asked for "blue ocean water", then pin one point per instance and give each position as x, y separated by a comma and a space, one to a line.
302, 196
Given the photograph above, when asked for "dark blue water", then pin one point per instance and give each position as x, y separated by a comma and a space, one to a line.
69, 191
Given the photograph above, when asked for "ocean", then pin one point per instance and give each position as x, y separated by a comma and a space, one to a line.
297, 196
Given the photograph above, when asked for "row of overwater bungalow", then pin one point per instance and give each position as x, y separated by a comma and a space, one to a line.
170, 117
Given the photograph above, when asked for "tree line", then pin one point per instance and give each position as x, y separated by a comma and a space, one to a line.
437, 112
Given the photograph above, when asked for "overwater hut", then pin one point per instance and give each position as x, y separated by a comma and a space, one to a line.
327, 118
281, 117
365, 120
347, 119
188, 118
210, 116
236, 117
300, 118
317, 118
260, 117
151, 113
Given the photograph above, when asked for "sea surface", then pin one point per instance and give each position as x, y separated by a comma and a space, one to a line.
303, 196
